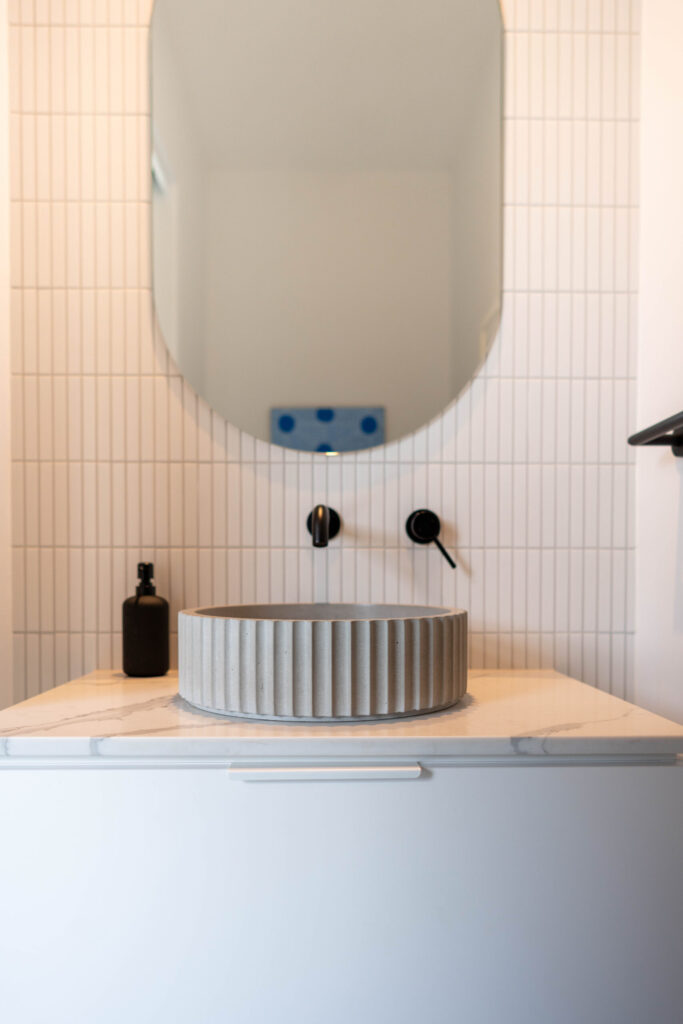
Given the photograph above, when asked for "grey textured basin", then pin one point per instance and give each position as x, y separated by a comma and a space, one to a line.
322, 662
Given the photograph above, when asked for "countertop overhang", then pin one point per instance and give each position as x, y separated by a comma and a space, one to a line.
515, 717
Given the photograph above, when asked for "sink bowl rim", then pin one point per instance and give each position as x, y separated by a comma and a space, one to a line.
278, 612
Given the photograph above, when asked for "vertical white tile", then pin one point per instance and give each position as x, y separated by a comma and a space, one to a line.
31, 419
31, 504
27, 68
57, 69
43, 80
32, 593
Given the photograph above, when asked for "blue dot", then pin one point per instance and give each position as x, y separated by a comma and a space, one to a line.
325, 448
368, 425
286, 424
325, 415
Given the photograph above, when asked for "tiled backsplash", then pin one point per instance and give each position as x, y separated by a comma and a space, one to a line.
116, 459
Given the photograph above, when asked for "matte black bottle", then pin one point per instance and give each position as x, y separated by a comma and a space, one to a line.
145, 628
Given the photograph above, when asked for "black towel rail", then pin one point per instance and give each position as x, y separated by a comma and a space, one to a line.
669, 432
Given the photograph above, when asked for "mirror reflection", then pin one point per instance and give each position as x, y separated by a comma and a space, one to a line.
327, 208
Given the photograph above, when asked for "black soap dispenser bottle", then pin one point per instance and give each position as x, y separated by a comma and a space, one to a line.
145, 628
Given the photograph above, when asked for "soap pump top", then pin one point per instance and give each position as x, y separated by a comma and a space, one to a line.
145, 628
145, 579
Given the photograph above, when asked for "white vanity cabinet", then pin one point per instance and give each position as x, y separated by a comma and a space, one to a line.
149, 878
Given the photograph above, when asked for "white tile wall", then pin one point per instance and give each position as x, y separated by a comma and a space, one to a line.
116, 459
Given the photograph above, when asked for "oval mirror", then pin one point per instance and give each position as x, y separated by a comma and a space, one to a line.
327, 217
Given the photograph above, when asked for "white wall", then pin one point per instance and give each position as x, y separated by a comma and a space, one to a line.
6, 689
115, 457
659, 589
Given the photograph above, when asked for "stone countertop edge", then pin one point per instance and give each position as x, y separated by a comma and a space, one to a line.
518, 749
513, 716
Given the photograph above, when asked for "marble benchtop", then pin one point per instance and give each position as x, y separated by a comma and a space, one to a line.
506, 714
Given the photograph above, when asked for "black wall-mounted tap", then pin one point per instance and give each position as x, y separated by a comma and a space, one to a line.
423, 527
323, 525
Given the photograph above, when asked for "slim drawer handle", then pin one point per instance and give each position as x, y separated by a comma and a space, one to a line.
324, 773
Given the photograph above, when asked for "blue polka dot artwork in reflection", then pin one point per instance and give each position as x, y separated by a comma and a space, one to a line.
324, 429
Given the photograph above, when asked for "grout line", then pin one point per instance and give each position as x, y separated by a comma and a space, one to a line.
39, 412
554, 616
307, 547
508, 291
606, 466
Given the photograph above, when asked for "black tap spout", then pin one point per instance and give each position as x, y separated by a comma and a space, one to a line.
323, 524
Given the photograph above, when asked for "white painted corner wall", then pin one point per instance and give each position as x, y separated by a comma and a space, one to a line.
6, 678
659, 476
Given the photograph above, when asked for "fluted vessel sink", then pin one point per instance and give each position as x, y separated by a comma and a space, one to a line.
322, 662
